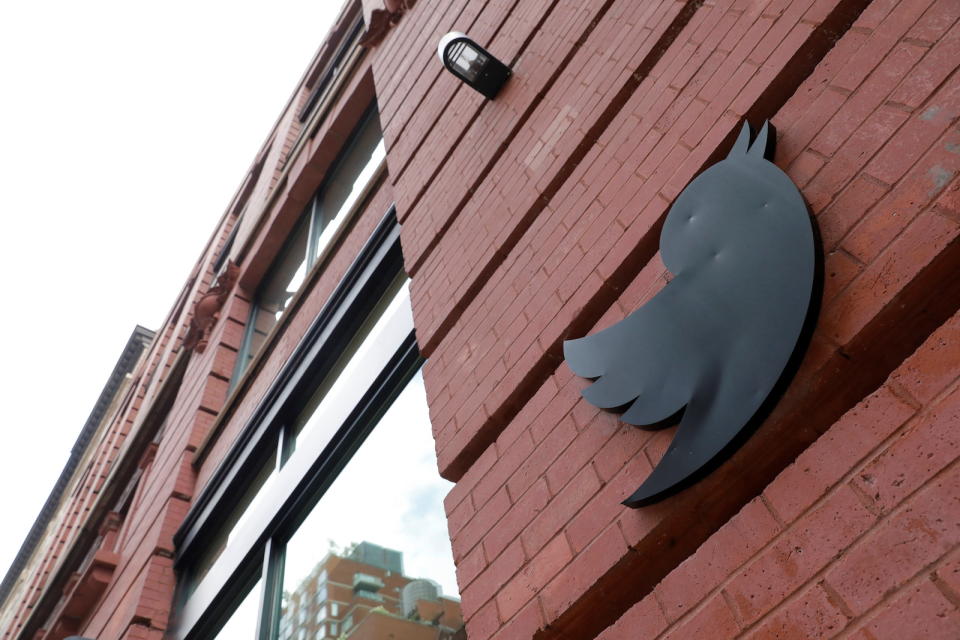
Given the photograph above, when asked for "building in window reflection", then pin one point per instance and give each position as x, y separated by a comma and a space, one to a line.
362, 593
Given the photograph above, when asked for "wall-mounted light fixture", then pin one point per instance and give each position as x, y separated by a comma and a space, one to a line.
472, 63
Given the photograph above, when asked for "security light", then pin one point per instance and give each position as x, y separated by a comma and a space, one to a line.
472, 63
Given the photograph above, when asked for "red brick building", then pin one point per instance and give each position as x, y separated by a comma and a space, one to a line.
345, 589
283, 394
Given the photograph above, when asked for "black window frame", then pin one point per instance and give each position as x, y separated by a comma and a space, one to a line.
371, 275
332, 70
307, 222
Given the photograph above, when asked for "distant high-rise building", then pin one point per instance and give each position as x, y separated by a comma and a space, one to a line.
362, 594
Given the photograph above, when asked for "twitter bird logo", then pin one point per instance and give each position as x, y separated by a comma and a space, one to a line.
715, 341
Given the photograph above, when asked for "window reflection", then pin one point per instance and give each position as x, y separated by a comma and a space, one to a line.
243, 623
346, 183
341, 373
468, 60
234, 520
276, 292
373, 557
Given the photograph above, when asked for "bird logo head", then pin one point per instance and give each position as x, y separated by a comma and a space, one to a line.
714, 342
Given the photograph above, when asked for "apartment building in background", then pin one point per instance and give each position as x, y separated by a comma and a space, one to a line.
367, 580
370, 349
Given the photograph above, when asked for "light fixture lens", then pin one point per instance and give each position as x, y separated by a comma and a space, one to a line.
467, 59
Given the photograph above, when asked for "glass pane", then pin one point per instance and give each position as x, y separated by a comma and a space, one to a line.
340, 374
286, 275
346, 183
374, 552
243, 623
218, 543
468, 60
274, 295
325, 214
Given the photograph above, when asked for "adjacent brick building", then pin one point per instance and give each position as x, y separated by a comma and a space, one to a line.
345, 589
520, 222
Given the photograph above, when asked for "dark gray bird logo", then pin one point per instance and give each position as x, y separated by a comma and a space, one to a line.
715, 341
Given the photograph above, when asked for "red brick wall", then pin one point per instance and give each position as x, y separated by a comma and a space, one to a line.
137, 602
860, 535
140, 529
535, 217
140, 598
140, 593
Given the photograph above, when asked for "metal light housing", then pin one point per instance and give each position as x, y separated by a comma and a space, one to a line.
472, 63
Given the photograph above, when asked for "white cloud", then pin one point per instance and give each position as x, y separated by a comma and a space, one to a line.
390, 494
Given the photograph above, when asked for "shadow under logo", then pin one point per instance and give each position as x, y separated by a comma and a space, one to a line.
718, 337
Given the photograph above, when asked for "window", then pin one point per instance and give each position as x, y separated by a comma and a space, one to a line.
315, 412
316, 535
411, 524
232, 522
220, 264
244, 617
322, 87
348, 181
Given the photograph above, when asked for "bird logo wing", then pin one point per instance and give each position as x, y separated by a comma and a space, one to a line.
715, 341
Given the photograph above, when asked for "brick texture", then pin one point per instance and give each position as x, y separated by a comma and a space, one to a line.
517, 242
843, 560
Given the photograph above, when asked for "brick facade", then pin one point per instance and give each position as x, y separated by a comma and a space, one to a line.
858, 536
534, 218
518, 242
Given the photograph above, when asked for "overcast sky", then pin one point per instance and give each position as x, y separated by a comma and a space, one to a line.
125, 128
